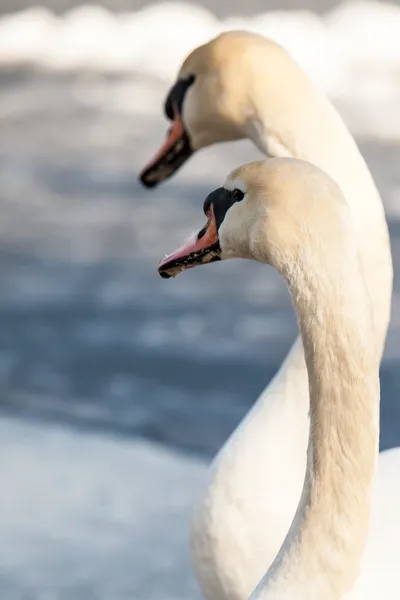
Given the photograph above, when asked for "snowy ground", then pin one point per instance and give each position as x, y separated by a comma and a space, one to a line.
116, 385
82, 517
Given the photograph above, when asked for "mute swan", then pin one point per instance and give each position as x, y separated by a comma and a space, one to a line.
242, 85
289, 214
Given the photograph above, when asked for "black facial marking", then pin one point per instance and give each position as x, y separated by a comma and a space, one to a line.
238, 194
222, 199
176, 96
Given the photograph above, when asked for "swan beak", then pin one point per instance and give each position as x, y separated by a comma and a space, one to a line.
200, 249
173, 153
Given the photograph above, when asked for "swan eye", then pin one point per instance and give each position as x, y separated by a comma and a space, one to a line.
237, 194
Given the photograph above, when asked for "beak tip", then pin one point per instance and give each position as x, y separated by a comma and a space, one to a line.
173, 153
164, 275
163, 270
146, 180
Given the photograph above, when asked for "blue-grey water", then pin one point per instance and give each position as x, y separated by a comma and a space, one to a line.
117, 387
90, 334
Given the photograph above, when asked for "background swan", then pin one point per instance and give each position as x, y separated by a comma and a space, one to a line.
242, 85
291, 215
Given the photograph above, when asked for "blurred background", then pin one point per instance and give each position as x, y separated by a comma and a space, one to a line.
117, 388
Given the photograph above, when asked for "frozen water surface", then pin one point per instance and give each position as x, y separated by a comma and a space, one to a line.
117, 387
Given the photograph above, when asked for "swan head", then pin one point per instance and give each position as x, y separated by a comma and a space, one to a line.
271, 211
221, 89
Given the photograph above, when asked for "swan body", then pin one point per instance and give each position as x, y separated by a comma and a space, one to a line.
241, 85
291, 215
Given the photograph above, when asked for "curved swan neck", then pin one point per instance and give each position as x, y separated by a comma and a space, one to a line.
312, 130
321, 554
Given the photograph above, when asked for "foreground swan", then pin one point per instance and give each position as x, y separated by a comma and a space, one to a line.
241, 85
290, 215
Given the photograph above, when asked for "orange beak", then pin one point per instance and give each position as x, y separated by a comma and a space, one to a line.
173, 153
200, 249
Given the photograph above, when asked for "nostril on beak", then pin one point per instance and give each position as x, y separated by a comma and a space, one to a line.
207, 205
202, 233
168, 111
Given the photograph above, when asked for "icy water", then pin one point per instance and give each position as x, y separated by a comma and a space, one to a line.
89, 332
118, 387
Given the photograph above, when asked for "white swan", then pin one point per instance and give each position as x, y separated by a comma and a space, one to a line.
289, 214
241, 85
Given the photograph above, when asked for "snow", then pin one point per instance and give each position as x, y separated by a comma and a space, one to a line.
90, 517
91, 337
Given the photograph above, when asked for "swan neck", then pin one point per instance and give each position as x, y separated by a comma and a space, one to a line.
302, 132
321, 554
